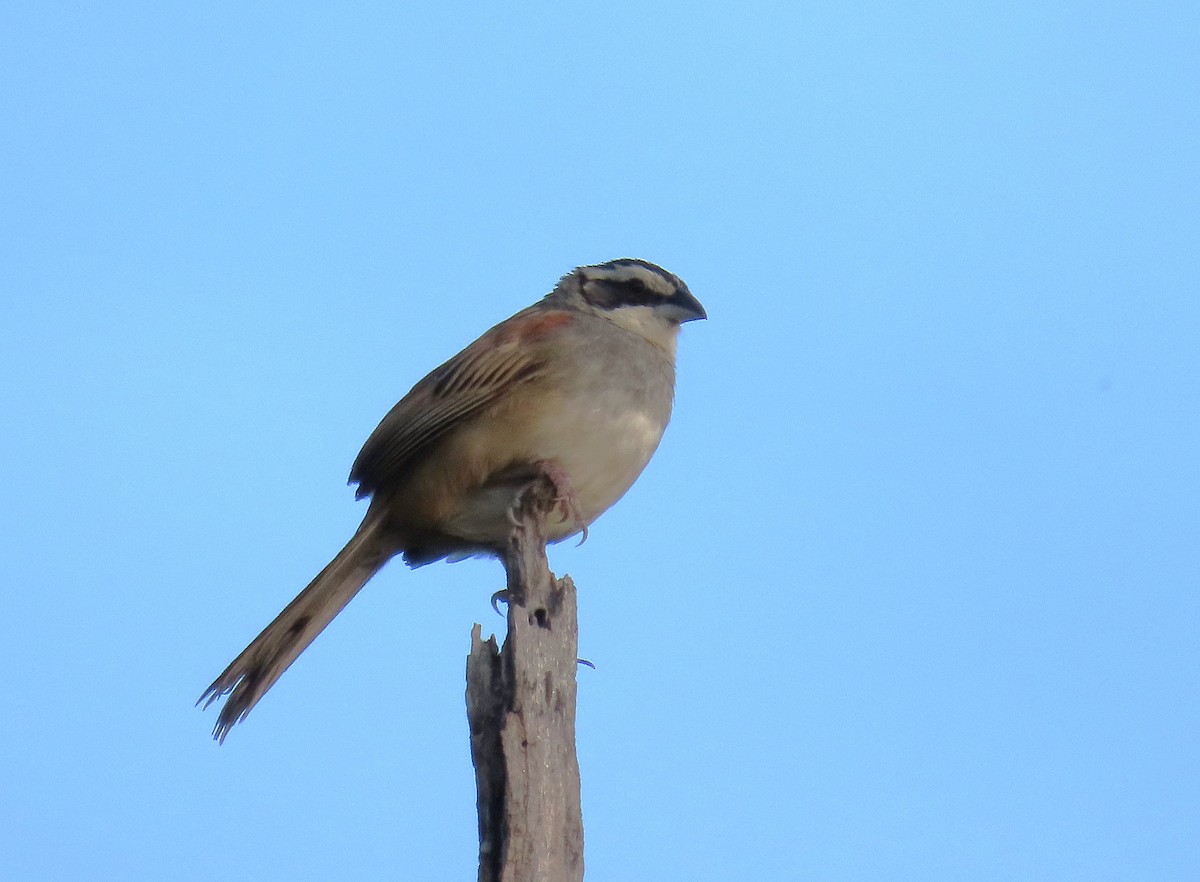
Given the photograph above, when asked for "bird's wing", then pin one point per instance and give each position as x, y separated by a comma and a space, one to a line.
505, 357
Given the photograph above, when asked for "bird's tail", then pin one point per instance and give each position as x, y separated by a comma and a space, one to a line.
260, 664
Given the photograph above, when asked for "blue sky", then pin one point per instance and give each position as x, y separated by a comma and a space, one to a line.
910, 589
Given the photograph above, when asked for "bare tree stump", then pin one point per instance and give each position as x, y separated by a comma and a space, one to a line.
521, 709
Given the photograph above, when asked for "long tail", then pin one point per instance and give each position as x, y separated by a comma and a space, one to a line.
252, 673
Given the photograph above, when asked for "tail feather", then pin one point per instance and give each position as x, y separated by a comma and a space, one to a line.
260, 664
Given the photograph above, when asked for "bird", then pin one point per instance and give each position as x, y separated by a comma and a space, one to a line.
577, 389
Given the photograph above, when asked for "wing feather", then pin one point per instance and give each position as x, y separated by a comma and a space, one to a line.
452, 394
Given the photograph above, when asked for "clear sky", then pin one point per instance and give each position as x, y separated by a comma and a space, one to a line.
910, 589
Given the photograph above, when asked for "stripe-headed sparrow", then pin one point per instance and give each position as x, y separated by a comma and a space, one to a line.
577, 388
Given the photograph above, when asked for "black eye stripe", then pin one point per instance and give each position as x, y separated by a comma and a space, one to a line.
625, 293
631, 282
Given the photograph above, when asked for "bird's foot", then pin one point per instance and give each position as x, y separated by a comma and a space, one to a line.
565, 497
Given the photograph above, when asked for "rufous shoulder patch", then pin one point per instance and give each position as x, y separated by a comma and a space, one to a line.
536, 327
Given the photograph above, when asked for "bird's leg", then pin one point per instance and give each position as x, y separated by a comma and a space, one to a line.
564, 494
565, 498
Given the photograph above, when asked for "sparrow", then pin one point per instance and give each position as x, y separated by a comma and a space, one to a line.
577, 388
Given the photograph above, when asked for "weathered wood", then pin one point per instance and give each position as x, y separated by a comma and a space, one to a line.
521, 709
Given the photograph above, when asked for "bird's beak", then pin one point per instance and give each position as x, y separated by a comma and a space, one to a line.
689, 307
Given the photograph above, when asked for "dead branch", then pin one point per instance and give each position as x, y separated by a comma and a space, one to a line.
521, 709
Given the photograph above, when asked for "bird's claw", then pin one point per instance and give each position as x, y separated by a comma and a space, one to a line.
498, 598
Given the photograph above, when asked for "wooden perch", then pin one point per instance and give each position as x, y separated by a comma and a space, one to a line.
521, 708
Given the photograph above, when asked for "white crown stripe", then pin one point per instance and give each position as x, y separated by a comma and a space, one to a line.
655, 279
